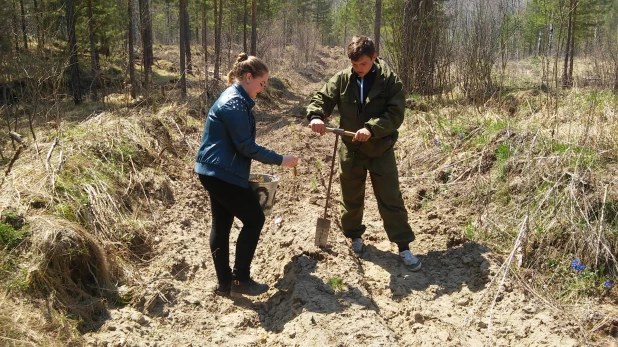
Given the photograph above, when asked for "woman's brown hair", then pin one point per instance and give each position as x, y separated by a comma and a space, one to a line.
246, 64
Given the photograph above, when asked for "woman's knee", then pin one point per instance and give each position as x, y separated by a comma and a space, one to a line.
255, 220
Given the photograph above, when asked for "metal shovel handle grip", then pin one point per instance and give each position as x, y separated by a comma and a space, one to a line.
340, 131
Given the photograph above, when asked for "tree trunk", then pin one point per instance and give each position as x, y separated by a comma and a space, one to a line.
218, 29
37, 19
137, 37
345, 30
253, 27
566, 83
94, 61
538, 43
244, 28
23, 24
183, 38
130, 35
230, 38
285, 26
15, 28
187, 38
572, 47
72, 40
406, 50
42, 22
216, 14
147, 54
376, 26
168, 24
205, 44
615, 78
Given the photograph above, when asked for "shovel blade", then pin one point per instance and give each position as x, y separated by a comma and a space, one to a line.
322, 229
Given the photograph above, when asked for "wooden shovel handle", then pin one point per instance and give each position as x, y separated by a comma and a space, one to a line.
330, 177
339, 131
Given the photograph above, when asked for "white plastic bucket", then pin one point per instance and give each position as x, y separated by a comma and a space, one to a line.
264, 186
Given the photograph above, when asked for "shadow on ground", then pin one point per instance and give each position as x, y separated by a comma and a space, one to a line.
300, 291
449, 270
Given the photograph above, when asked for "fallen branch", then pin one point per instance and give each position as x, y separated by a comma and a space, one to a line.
15, 136
21, 148
181, 134
49, 153
596, 261
508, 263
61, 161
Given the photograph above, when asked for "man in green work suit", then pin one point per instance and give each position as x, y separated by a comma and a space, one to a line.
371, 103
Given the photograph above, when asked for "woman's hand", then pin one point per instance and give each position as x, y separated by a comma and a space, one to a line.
289, 161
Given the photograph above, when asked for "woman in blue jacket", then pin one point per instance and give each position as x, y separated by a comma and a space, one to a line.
223, 164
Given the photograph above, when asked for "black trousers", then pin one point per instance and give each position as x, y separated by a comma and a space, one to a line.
228, 201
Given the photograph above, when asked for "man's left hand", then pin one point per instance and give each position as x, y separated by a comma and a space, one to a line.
362, 135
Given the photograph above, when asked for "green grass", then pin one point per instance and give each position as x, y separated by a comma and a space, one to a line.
503, 153
20, 282
336, 283
470, 231
10, 237
492, 127
314, 184
8, 265
559, 148
587, 282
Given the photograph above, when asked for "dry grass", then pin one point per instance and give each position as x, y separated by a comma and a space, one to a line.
87, 202
557, 168
34, 324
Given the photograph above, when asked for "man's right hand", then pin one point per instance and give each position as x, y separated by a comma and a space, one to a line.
317, 126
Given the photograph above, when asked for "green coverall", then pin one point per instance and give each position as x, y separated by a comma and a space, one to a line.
382, 113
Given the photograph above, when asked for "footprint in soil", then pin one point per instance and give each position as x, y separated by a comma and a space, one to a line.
449, 269
301, 291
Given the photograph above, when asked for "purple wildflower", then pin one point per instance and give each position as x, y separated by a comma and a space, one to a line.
577, 266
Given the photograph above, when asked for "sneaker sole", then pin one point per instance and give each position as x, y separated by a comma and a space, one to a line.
414, 268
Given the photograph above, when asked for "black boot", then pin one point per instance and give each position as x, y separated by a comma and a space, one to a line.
223, 289
249, 287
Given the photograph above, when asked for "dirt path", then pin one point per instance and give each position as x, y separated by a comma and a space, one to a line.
379, 302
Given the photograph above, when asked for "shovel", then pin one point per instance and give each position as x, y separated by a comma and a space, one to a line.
322, 227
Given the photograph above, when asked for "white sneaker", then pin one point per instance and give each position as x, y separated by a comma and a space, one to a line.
411, 262
357, 245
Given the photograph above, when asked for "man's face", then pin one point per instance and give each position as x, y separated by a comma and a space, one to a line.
363, 65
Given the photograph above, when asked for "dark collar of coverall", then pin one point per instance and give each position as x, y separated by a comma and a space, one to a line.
367, 82
250, 103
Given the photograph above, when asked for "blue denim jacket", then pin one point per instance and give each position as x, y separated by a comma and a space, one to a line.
228, 142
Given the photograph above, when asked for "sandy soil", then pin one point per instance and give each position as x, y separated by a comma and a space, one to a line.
447, 303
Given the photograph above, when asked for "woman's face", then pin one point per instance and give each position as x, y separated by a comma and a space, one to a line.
254, 85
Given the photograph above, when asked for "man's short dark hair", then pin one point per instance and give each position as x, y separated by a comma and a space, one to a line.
361, 45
